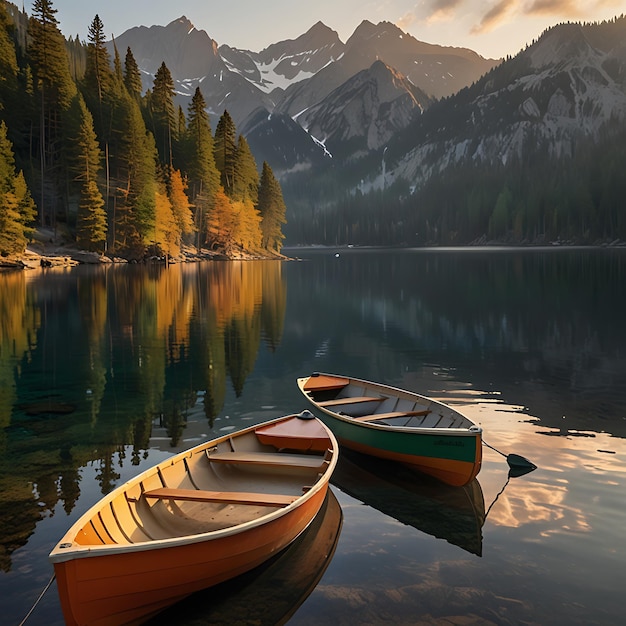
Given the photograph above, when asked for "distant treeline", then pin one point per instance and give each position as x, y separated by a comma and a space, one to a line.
84, 152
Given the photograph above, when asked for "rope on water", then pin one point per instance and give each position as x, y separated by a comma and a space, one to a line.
494, 449
41, 595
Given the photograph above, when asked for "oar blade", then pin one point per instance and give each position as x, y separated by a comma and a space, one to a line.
517, 461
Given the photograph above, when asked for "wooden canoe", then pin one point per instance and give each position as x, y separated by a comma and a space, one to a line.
397, 425
194, 520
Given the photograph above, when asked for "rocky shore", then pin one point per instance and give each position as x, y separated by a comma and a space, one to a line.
49, 250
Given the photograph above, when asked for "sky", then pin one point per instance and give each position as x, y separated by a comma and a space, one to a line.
493, 28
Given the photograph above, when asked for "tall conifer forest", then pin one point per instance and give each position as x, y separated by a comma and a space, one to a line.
85, 153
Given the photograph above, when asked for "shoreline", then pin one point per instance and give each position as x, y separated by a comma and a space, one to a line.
44, 252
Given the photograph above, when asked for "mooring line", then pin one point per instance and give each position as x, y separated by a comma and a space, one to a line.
41, 595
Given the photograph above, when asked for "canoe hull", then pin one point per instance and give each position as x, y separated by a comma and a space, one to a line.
451, 455
192, 521
429, 454
121, 588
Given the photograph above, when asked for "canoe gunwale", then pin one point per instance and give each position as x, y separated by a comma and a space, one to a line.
66, 549
472, 431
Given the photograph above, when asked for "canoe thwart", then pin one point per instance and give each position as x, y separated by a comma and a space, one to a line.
381, 416
230, 497
352, 400
312, 461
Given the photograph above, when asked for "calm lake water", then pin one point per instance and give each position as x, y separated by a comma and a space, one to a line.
105, 371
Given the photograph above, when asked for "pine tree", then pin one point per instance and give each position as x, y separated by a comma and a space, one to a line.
224, 150
272, 209
203, 176
8, 65
163, 114
98, 74
200, 161
133, 175
55, 89
91, 224
85, 161
17, 209
246, 183
132, 75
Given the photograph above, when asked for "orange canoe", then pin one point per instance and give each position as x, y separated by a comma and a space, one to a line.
194, 520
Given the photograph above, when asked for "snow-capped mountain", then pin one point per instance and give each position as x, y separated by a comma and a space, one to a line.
193, 60
292, 75
287, 62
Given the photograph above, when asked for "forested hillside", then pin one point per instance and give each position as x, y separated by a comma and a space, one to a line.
533, 152
85, 153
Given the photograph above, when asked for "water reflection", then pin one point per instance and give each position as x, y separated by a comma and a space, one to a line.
102, 370
89, 358
455, 514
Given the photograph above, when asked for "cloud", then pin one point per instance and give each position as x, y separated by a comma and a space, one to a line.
496, 15
441, 10
429, 12
553, 7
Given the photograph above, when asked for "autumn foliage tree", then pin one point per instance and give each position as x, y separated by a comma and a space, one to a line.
123, 171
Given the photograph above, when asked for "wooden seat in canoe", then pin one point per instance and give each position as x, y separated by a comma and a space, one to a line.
382, 416
262, 458
350, 400
321, 382
229, 497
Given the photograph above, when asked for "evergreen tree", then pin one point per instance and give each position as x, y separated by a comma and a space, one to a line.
17, 209
225, 151
133, 175
200, 161
203, 177
8, 65
91, 224
55, 89
163, 114
246, 183
98, 74
86, 156
132, 75
272, 210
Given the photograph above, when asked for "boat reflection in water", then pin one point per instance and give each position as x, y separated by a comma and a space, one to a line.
456, 514
273, 592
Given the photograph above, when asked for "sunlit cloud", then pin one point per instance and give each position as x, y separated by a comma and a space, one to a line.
496, 16
569, 8
441, 10
430, 13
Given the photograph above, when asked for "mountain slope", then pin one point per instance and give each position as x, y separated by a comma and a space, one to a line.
364, 112
436, 70
559, 90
